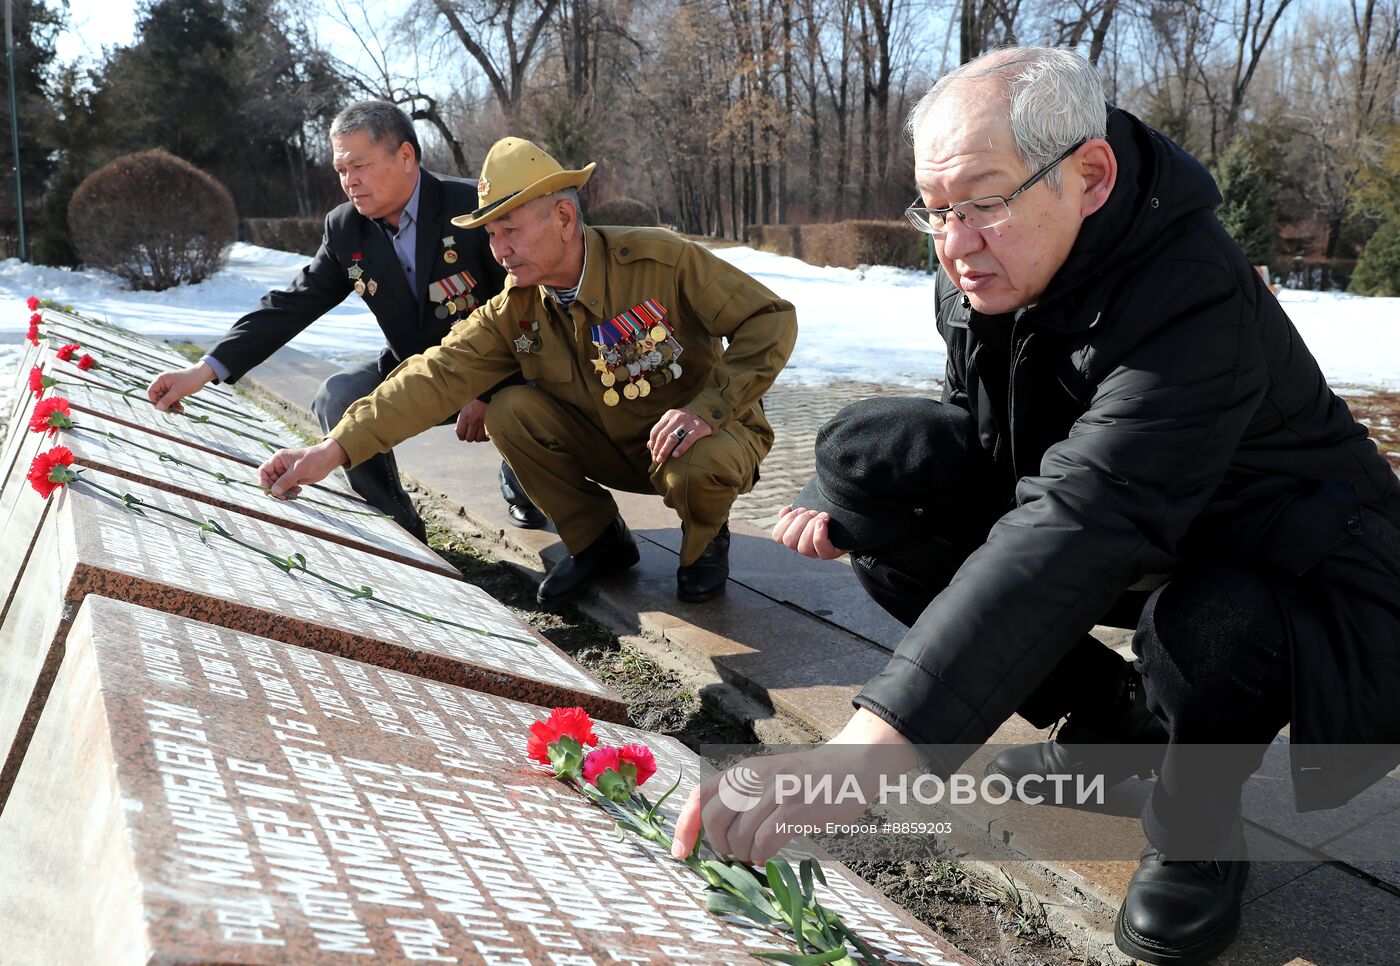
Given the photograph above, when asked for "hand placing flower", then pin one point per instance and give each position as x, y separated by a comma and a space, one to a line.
50, 415
50, 470
66, 351
780, 900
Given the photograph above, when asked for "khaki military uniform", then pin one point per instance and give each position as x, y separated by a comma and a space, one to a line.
559, 435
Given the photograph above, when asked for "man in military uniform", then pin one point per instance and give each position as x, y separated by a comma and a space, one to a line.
619, 332
391, 245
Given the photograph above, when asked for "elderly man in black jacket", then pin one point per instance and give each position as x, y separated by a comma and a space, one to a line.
1131, 428
392, 245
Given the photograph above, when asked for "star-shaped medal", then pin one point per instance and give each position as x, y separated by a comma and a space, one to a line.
524, 344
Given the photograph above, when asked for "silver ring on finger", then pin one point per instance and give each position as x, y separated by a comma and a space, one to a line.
680, 433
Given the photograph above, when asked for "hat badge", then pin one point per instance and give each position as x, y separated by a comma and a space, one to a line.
483, 186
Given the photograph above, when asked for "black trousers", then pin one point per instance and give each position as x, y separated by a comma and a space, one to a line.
1213, 649
377, 478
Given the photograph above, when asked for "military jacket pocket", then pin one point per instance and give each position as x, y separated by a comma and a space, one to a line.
553, 367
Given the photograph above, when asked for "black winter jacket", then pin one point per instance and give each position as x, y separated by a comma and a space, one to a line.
1161, 408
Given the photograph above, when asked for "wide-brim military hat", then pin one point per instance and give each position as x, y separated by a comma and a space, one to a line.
515, 172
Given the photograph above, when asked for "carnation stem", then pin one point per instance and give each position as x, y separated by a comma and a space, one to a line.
202, 420
221, 477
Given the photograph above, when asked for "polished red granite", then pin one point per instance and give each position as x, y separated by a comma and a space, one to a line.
198, 795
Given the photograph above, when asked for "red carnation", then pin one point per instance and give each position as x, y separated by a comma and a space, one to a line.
49, 471
613, 759
36, 319
38, 382
601, 760
66, 352
616, 772
86, 362
50, 415
33, 334
562, 723
33, 303
641, 757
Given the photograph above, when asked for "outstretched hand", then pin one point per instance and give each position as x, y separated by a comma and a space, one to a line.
284, 474
756, 807
167, 389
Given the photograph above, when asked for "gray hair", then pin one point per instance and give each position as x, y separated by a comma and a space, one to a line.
570, 195
386, 124
1056, 99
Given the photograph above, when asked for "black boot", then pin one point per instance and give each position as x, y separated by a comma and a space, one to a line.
1119, 738
520, 510
1181, 912
705, 578
613, 551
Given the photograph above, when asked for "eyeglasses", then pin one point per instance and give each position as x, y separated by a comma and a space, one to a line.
985, 212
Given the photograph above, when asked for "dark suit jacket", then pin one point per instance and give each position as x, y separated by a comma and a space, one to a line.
408, 318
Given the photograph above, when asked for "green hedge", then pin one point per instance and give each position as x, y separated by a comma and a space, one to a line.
299, 235
844, 244
623, 211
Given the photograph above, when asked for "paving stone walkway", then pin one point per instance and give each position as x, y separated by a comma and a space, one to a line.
796, 413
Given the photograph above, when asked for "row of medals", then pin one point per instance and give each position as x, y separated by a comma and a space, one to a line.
644, 363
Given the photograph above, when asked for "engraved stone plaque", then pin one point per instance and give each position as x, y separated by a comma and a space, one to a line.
376, 610
198, 795
209, 478
120, 376
219, 434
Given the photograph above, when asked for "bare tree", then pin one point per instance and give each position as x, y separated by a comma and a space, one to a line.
502, 37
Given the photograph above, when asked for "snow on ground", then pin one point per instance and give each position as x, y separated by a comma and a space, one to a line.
873, 324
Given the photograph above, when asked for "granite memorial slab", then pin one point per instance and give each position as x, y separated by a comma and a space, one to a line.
145, 357
218, 481
229, 409
199, 795
243, 573
157, 352
219, 436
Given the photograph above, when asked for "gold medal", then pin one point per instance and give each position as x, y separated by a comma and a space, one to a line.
449, 256
658, 332
644, 388
610, 397
607, 379
373, 286
451, 307
359, 287
631, 391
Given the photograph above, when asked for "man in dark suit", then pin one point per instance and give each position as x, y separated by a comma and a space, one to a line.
391, 244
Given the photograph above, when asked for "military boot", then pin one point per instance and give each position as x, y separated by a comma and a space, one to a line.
1181, 912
